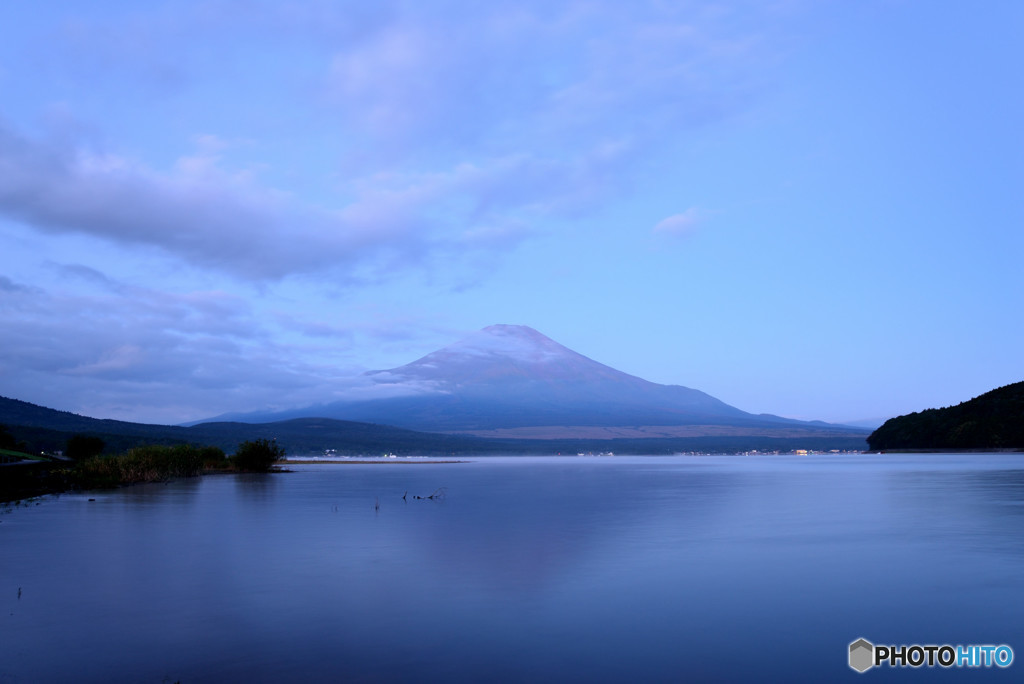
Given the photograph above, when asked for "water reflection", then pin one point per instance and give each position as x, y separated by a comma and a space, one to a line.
528, 570
515, 531
932, 504
256, 488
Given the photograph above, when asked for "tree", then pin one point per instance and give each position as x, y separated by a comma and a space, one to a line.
82, 446
257, 456
7, 440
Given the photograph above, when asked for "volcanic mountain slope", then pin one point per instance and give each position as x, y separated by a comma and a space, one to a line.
511, 377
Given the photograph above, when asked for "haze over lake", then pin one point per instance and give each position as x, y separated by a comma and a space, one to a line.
529, 569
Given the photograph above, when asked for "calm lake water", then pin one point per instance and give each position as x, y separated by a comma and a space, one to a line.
614, 569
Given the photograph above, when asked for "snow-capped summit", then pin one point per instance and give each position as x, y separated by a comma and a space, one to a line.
519, 341
498, 343
511, 376
500, 353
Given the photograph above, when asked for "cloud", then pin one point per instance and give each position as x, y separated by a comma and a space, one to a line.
137, 353
529, 77
9, 286
125, 357
370, 142
228, 222
465, 126
679, 225
198, 212
85, 274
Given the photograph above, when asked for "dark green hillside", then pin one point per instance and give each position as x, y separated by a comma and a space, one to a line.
42, 429
995, 420
17, 412
46, 429
37, 429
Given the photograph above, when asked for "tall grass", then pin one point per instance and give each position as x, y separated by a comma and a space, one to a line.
153, 463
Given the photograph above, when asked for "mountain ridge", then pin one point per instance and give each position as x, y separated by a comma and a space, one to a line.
46, 429
513, 377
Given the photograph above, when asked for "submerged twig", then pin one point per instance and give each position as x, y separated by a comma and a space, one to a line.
439, 493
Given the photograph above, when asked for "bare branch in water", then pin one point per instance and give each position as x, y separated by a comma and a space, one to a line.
439, 493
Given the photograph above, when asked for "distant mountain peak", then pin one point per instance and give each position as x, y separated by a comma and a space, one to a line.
522, 332
502, 354
511, 376
509, 329
518, 342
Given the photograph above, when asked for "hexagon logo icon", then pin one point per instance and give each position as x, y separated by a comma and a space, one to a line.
862, 655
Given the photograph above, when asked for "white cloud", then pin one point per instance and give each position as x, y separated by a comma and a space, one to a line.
542, 79
199, 212
462, 125
226, 221
680, 225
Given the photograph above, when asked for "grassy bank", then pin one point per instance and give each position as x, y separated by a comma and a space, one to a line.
154, 463
147, 464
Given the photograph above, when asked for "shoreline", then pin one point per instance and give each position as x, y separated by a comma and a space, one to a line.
389, 461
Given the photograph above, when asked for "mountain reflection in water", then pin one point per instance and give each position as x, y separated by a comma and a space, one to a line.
530, 569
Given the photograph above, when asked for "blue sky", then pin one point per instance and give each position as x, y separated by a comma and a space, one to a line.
813, 209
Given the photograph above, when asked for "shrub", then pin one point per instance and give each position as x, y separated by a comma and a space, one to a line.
257, 456
213, 457
82, 446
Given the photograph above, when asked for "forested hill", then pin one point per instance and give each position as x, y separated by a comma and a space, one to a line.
995, 420
38, 429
